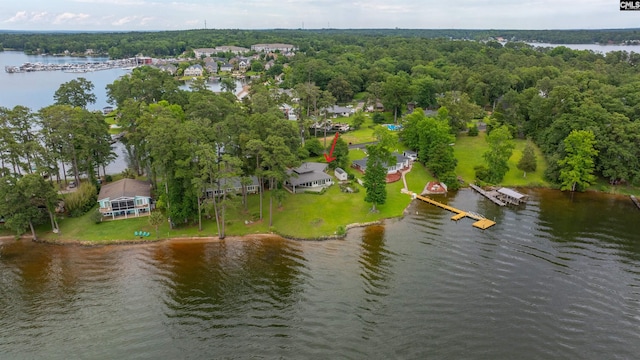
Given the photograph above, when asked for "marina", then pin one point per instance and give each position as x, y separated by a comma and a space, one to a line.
76, 67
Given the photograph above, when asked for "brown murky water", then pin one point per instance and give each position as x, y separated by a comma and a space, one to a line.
557, 278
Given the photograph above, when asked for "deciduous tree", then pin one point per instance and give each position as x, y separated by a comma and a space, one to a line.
501, 147
77, 92
576, 168
528, 160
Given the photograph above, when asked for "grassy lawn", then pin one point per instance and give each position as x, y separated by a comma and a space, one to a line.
469, 149
300, 216
312, 215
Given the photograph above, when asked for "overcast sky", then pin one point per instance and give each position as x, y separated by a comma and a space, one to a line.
120, 15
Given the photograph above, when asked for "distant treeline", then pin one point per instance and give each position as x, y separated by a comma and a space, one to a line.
173, 43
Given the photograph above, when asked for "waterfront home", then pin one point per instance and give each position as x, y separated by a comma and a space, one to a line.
309, 176
226, 67
194, 70
211, 65
401, 163
394, 168
234, 185
125, 198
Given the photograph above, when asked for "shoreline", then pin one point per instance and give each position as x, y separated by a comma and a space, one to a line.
194, 239
200, 239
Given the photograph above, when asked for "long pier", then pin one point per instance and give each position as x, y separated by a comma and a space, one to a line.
487, 195
481, 223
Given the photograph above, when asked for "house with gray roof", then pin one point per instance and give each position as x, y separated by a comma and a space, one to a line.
125, 198
401, 163
170, 68
211, 65
234, 185
309, 176
194, 70
336, 111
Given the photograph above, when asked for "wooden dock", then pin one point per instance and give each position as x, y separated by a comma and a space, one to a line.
481, 223
635, 201
487, 195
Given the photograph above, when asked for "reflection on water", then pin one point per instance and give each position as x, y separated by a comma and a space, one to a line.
556, 278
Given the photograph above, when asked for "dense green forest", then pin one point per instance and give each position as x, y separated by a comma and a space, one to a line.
173, 43
581, 108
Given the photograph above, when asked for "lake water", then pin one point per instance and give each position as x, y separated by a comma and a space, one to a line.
35, 90
594, 47
558, 278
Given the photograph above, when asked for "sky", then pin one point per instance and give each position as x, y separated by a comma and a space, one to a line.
146, 15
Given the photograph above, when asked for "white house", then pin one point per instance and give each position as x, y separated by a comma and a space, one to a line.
309, 176
194, 70
125, 198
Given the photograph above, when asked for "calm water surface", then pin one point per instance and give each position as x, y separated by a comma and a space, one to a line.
558, 278
35, 90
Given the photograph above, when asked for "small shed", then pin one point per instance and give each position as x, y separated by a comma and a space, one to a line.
341, 175
511, 196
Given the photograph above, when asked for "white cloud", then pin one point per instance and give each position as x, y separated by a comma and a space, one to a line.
20, 16
142, 20
67, 18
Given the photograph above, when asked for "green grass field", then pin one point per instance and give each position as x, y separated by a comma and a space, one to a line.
469, 149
